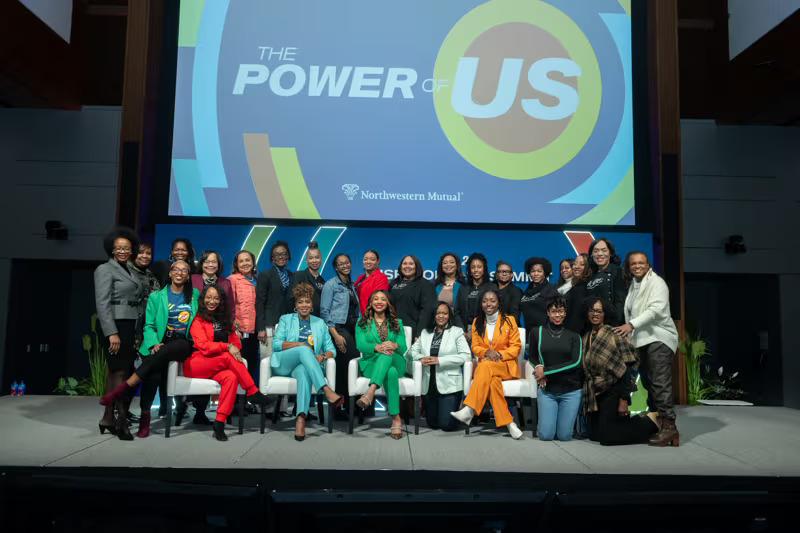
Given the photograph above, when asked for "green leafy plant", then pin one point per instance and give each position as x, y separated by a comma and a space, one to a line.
694, 349
95, 384
68, 386
722, 385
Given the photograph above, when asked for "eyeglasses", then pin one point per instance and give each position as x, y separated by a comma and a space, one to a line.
278, 255
122, 250
596, 312
557, 312
180, 270
210, 262
504, 272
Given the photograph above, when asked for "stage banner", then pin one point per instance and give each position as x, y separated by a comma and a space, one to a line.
393, 244
500, 111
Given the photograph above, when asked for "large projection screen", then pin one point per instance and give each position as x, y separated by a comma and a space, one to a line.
506, 111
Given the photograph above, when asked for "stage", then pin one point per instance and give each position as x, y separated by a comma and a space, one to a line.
740, 463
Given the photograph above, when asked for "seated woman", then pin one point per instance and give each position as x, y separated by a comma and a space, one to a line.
218, 356
442, 350
610, 364
301, 343
558, 352
382, 342
496, 344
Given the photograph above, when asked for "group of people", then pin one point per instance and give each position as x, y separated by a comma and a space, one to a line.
589, 336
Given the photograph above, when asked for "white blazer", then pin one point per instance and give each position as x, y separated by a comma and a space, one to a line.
649, 313
453, 353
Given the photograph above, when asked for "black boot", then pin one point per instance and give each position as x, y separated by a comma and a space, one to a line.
180, 412
258, 399
123, 428
219, 431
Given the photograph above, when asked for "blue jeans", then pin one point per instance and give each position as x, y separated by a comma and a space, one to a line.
300, 363
557, 414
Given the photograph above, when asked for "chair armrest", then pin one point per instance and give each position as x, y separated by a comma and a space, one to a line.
172, 376
416, 374
264, 373
530, 377
352, 373
330, 372
467, 376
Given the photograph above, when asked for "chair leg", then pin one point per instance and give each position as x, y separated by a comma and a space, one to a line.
417, 400
241, 413
263, 418
276, 414
517, 414
168, 418
534, 417
351, 412
320, 410
330, 418
521, 413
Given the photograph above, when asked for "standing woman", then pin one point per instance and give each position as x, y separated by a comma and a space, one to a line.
382, 342
141, 266
181, 250
300, 346
118, 295
169, 315
581, 273
607, 279
218, 356
649, 325
371, 280
468, 305
558, 353
538, 294
412, 295
311, 274
565, 276
510, 294
442, 350
243, 287
496, 344
449, 279
274, 290
211, 269
610, 364
339, 309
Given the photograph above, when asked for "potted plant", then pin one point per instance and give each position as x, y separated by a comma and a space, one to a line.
694, 349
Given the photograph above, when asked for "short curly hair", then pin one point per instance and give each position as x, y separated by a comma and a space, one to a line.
303, 290
120, 232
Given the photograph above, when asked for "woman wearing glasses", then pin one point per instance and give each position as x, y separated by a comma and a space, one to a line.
607, 280
211, 269
274, 290
118, 296
510, 294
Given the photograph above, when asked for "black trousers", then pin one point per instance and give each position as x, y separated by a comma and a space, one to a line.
155, 365
655, 369
252, 354
610, 429
343, 358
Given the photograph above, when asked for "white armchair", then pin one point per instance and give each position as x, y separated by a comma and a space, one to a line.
287, 386
181, 386
409, 386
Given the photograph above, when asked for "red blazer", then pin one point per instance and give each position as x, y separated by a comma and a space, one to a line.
202, 332
365, 286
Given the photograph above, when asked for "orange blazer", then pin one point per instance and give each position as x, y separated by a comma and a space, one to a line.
505, 341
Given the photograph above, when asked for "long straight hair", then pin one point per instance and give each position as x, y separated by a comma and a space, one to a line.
369, 314
480, 320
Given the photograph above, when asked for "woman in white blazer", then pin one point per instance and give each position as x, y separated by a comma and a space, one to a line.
649, 325
443, 350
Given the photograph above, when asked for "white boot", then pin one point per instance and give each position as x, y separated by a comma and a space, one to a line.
464, 414
515, 432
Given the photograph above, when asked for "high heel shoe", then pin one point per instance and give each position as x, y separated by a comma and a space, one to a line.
111, 428
364, 402
123, 431
667, 436
338, 403
300, 438
396, 432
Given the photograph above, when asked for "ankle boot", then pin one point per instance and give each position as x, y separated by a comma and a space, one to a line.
144, 425
219, 431
114, 394
258, 399
667, 436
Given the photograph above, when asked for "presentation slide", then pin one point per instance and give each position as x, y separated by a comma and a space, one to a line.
501, 111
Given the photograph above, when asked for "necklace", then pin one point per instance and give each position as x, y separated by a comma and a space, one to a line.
553, 333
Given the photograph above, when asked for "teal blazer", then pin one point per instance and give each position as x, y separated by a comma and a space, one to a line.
156, 317
288, 330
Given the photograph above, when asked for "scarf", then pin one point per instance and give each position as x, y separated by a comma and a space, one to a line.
284, 275
607, 360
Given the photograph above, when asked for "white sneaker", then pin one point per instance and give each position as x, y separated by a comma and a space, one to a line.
464, 414
515, 432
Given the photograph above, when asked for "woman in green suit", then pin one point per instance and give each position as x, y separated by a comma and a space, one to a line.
382, 342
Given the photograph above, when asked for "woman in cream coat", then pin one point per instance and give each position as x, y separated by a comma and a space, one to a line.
443, 350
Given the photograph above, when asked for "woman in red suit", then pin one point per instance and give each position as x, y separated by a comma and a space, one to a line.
371, 280
218, 356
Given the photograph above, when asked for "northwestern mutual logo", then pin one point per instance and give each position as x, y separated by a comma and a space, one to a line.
350, 190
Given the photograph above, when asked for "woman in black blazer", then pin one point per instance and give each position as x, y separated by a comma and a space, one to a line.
118, 293
311, 274
274, 290
182, 250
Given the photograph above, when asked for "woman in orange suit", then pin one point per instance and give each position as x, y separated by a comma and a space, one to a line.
496, 344
218, 356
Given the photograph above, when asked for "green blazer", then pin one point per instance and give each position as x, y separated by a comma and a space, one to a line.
367, 338
157, 315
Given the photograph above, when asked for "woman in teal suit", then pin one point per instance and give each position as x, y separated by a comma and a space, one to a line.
382, 342
301, 343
